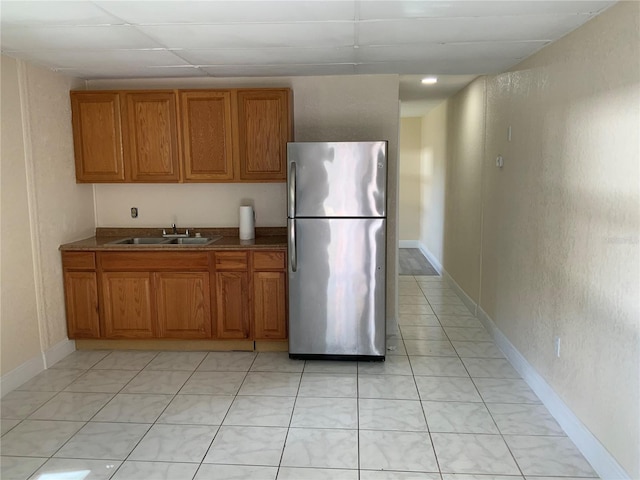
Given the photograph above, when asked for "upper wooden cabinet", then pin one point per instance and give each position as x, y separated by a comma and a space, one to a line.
97, 136
234, 135
206, 135
264, 128
152, 136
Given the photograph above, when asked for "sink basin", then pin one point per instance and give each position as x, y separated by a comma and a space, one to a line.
140, 241
196, 240
166, 241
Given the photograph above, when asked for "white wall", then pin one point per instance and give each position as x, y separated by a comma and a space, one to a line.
433, 164
19, 335
560, 222
42, 207
410, 180
341, 108
463, 201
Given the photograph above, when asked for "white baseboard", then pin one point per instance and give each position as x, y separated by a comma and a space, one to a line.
58, 352
408, 244
466, 299
21, 374
596, 454
435, 263
29, 369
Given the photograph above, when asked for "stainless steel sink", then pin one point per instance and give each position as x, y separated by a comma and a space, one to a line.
196, 240
140, 241
165, 241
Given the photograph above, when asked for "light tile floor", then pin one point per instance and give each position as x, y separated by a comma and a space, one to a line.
445, 405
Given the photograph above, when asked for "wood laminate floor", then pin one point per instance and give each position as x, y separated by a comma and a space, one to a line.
413, 262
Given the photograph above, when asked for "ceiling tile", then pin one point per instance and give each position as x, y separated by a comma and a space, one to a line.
269, 56
74, 38
217, 12
252, 36
442, 66
446, 30
458, 52
116, 59
412, 9
138, 71
278, 70
54, 13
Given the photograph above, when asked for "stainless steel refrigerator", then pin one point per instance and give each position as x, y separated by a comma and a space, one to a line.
337, 249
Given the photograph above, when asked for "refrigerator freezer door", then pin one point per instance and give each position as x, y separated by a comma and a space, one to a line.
337, 288
337, 179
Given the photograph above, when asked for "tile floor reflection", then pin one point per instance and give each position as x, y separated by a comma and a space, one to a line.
445, 405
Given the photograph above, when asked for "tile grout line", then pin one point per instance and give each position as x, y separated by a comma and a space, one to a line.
286, 437
114, 395
224, 417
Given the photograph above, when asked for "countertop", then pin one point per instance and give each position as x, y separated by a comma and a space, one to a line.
266, 238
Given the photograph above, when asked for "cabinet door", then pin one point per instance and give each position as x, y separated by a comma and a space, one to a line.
264, 128
152, 137
270, 311
206, 135
97, 136
232, 294
183, 305
127, 305
81, 298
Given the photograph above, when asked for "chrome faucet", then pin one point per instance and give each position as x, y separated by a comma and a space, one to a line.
174, 233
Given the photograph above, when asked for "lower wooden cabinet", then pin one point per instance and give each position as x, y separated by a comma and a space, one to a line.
269, 295
81, 298
232, 290
128, 305
270, 311
183, 304
81, 294
225, 295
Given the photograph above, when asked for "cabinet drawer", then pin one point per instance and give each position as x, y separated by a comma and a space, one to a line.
231, 261
268, 260
153, 261
79, 260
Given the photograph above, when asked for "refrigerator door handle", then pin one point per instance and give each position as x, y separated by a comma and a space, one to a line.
293, 258
292, 190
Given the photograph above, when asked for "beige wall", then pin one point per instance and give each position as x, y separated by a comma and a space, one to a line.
409, 168
433, 157
19, 336
463, 200
561, 220
59, 211
341, 108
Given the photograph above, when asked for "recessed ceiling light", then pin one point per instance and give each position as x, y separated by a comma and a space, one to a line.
429, 80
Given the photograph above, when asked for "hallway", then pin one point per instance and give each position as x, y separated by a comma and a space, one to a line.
445, 402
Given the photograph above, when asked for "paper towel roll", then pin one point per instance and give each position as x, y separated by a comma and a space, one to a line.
247, 223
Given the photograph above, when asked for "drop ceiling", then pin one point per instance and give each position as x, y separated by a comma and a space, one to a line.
127, 39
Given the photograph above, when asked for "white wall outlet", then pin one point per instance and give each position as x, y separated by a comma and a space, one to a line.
499, 161
556, 345
134, 212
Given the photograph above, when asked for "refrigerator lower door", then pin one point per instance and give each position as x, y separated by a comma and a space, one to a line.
337, 288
